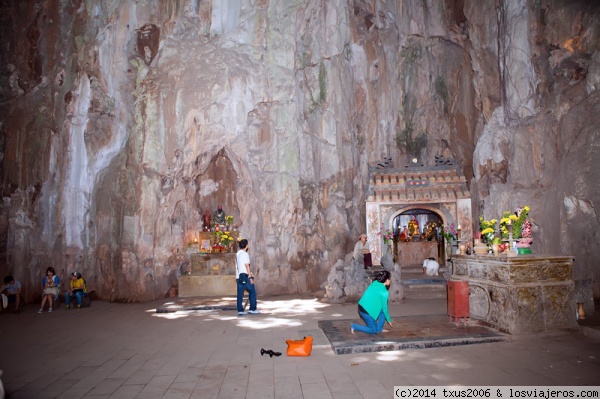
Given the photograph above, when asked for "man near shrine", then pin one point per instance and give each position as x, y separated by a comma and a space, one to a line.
362, 254
244, 279
219, 216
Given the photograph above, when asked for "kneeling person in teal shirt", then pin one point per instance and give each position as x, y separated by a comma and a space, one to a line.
373, 306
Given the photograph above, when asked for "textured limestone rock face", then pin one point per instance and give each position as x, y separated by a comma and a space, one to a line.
122, 121
540, 145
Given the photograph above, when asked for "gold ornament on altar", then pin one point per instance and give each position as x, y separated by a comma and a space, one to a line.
430, 230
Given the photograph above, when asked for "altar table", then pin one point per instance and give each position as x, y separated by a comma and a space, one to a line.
521, 294
210, 275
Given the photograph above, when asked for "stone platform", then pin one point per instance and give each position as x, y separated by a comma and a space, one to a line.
190, 285
209, 275
409, 332
414, 253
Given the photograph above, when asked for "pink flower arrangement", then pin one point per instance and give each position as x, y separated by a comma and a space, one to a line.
386, 234
449, 233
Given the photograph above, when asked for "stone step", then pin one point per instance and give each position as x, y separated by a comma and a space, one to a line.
424, 295
419, 267
431, 292
424, 287
408, 274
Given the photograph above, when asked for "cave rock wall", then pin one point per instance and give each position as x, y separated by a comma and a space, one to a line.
122, 121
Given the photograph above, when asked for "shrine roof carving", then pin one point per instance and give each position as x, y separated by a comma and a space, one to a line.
440, 183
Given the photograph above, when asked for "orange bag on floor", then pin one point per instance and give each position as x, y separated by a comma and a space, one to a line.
301, 347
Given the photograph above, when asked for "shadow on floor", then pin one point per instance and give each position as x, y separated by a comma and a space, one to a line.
409, 332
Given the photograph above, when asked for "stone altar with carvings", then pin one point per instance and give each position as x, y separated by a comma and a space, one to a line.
210, 275
414, 253
521, 294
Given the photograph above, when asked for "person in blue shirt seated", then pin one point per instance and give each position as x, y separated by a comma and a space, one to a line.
11, 292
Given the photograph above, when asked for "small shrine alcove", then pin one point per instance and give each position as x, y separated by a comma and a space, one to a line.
417, 235
211, 248
427, 194
217, 186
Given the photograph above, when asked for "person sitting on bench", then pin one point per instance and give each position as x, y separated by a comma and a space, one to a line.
362, 253
77, 289
11, 292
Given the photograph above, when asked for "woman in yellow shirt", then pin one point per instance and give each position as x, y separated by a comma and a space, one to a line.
77, 289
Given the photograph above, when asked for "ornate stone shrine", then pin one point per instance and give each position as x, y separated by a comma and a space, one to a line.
521, 294
440, 191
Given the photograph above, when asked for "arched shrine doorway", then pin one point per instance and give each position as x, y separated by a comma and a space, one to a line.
426, 192
417, 235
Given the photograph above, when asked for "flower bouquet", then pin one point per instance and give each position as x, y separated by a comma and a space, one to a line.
488, 230
524, 227
386, 235
449, 233
521, 226
222, 240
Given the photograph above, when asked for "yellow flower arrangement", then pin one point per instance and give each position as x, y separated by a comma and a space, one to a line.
222, 238
488, 229
519, 221
226, 239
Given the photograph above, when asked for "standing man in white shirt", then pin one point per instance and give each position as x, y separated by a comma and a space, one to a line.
244, 279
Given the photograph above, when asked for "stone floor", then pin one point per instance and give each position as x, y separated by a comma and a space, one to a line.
113, 350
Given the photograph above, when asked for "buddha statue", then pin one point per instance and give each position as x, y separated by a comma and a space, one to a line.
413, 226
219, 216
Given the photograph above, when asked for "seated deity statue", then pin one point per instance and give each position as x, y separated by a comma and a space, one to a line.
413, 226
206, 220
219, 216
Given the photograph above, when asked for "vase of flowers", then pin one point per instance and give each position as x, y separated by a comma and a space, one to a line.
488, 230
388, 238
386, 235
520, 224
222, 239
449, 234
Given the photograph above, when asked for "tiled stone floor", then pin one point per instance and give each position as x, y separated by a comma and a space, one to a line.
114, 350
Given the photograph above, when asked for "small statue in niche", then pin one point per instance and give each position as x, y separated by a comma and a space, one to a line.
404, 235
206, 220
219, 216
413, 226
